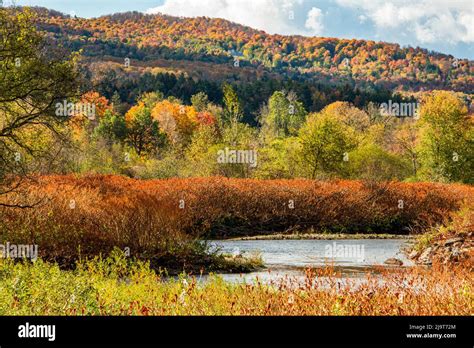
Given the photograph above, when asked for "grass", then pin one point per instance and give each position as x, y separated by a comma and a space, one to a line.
119, 286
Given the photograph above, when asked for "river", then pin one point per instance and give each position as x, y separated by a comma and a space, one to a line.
290, 258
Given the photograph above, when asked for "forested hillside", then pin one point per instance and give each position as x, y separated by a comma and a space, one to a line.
230, 46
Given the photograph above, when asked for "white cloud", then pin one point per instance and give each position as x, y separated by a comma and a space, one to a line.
314, 21
424, 34
430, 20
385, 15
362, 19
467, 21
272, 16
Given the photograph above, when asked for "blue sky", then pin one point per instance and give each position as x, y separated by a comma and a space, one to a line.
446, 26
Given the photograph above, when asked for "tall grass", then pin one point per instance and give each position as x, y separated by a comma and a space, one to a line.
114, 286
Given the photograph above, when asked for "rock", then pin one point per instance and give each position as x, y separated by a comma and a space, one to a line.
455, 252
394, 262
425, 257
453, 240
414, 254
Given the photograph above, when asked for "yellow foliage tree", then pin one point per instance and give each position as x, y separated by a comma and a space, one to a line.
178, 121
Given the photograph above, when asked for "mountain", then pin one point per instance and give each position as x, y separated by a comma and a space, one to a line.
216, 50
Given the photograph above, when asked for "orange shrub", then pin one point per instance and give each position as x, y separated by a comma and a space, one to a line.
97, 213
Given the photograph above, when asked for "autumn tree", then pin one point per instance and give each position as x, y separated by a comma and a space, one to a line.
34, 78
101, 104
91, 109
177, 121
143, 132
349, 115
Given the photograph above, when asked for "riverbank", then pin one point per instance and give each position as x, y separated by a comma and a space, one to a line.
449, 243
204, 261
324, 236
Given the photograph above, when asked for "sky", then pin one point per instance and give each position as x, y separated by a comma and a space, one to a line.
445, 26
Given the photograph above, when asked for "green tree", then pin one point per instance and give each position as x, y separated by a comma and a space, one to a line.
447, 143
200, 101
279, 159
151, 98
325, 144
371, 162
237, 136
232, 108
285, 114
117, 104
407, 139
112, 127
201, 153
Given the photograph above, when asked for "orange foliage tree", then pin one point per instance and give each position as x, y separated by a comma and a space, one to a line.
178, 121
88, 111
